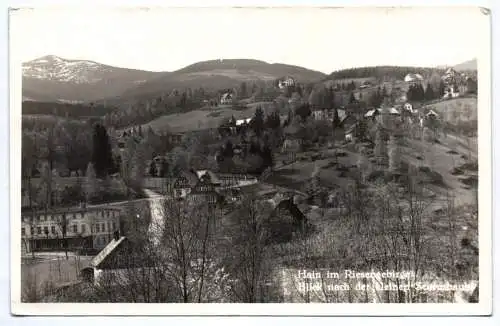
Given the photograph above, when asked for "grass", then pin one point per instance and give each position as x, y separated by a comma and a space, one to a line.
456, 109
197, 119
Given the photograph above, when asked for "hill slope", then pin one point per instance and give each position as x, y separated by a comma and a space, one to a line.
219, 74
467, 65
51, 78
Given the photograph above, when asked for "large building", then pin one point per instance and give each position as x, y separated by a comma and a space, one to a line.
80, 228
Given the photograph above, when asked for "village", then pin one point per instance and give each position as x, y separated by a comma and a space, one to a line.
295, 164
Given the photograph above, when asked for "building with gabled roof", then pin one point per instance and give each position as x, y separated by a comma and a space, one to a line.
120, 259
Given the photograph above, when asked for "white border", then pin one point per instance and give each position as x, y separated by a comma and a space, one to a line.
485, 240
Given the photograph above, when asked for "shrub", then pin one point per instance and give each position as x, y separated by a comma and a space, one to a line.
376, 175
472, 166
470, 181
424, 169
436, 178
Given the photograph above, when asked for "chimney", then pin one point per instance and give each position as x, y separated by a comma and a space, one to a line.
116, 235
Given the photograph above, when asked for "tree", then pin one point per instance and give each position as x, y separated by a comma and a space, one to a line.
352, 99
187, 235
429, 93
381, 147
273, 120
91, 187
442, 88
152, 169
394, 153
102, 157
303, 111
248, 250
243, 90
62, 224
257, 122
336, 119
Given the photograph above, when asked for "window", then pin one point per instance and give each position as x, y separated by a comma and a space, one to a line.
107, 213
83, 228
114, 226
46, 230
75, 228
53, 229
74, 216
97, 228
109, 227
23, 231
103, 227
42, 217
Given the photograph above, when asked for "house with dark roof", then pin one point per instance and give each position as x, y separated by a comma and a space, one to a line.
121, 259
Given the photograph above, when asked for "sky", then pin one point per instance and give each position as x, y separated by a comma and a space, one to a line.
326, 40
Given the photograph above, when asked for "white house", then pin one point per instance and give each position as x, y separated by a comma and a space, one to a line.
240, 122
226, 98
413, 78
286, 82
431, 114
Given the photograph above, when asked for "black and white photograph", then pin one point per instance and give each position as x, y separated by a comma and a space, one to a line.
251, 155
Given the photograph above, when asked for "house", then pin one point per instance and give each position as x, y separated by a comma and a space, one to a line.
348, 121
408, 107
226, 98
286, 82
204, 191
413, 78
286, 219
183, 184
209, 176
451, 92
120, 261
241, 122
431, 114
372, 113
450, 76
350, 132
320, 114
78, 228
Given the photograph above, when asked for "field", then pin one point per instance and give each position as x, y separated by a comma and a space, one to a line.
205, 118
458, 109
47, 272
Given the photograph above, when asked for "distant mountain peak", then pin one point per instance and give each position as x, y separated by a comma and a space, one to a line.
77, 80
467, 65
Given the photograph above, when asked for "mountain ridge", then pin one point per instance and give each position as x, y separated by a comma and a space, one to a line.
65, 80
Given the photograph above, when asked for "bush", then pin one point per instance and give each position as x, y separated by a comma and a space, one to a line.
470, 181
376, 175
457, 171
436, 178
424, 169
471, 166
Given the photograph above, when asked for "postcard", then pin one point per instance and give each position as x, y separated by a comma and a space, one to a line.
250, 161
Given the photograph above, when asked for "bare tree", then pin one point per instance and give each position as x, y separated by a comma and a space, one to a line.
248, 254
62, 224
